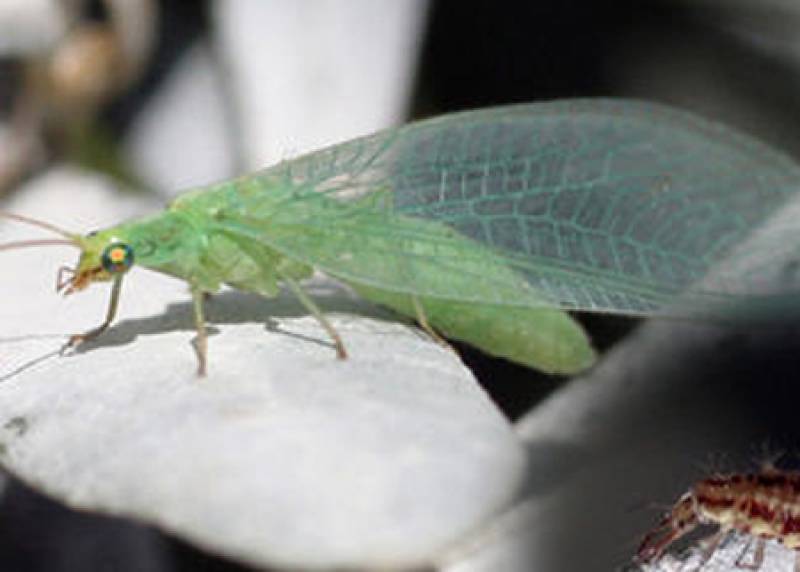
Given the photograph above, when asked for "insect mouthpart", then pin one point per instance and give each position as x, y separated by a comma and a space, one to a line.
77, 281
64, 278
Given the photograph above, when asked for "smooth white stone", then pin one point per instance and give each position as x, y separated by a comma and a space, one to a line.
30, 27
183, 136
308, 73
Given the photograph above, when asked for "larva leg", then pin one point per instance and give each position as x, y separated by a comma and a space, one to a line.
201, 341
758, 556
309, 304
710, 545
425, 325
78, 339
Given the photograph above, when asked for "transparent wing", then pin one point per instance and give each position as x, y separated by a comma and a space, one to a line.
602, 205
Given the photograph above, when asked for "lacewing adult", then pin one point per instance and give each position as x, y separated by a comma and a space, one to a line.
485, 226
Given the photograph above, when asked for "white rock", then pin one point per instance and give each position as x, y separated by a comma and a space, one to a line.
30, 27
283, 455
183, 138
308, 73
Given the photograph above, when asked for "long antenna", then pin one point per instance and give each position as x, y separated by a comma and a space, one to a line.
41, 224
40, 242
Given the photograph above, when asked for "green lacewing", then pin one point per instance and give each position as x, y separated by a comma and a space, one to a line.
485, 226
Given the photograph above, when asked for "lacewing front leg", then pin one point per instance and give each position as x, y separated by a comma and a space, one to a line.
77, 339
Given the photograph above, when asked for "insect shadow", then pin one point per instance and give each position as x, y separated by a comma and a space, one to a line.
229, 307
234, 307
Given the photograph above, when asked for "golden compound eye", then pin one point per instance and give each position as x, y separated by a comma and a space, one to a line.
117, 258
